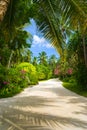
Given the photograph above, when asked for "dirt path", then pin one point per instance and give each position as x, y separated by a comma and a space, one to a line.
46, 106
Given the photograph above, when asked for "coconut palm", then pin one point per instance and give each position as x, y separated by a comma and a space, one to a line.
35, 61
77, 15
55, 17
52, 60
19, 48
43, 58
15, 19
49, 24
12, 26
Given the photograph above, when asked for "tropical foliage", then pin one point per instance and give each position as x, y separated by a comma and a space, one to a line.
63, 23
30, 71
11, 81
57, 19
14, 45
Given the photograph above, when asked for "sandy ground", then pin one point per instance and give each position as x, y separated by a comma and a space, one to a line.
46, 106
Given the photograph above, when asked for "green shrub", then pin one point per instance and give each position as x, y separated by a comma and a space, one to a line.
72, 80
75, 88
30, 72
3, 76
41, 75
17, 78
81, 76
10, 82
14, 80
10, 91
43, 72
66, 79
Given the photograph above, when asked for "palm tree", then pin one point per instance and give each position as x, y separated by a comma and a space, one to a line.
43, 58
26, 55
19, 48
12, 25
49, 24
16, 16
52, 61
72, 13
35, 61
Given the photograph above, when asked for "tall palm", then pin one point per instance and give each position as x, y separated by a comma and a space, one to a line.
26, 55
19, 47
53, 62
35, 61
42, 58
12, 25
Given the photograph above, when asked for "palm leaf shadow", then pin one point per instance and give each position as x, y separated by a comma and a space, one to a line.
29, 120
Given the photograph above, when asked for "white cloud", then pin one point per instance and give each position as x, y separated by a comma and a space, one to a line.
49, 46
40, 42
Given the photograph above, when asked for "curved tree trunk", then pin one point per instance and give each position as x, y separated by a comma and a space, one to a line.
3, 8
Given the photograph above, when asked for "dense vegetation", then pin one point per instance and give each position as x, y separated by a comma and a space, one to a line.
64, 23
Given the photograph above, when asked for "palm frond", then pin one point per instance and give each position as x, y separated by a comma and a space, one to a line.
56, 16
49, 25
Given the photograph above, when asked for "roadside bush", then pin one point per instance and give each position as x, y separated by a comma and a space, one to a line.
81, 76
69, 79
14, 80
10, 90
30, 72
17, 78
66, 79
72, 80
3, 76
11, 82
43, 72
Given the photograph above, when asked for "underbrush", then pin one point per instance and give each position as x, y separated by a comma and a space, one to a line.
75, 88
14, 80
43, 72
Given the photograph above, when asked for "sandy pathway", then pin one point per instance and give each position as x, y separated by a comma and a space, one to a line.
46, 106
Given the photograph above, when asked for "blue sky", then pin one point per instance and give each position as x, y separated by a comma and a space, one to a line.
39, 43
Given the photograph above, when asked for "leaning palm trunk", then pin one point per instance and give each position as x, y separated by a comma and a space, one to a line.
3, 8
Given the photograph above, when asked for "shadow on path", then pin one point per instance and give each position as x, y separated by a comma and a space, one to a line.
44, 113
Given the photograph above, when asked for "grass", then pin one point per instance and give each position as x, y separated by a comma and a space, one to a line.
75, 88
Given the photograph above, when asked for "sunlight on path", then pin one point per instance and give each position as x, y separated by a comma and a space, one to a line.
46, 106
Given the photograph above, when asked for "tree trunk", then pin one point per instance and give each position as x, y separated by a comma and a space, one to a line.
85, 51
9, 62
3, 8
